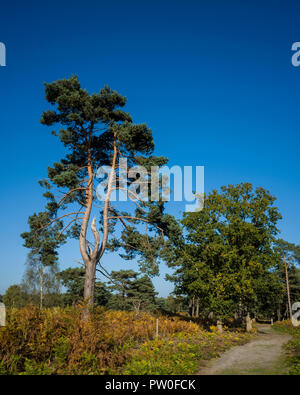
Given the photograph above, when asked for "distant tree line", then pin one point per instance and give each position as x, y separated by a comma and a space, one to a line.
227, 264
127, 290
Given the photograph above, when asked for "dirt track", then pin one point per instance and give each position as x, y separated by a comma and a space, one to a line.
263, 355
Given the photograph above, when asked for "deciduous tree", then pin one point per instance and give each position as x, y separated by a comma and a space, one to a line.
40, 279
227, 248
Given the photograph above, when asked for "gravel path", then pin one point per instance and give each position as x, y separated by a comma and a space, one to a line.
263, 355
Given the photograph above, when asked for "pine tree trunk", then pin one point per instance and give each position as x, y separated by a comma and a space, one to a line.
197, 308
286, 313
190, 308
211, 315
193, 306
89, 284
90, 259
41, 287
278, 314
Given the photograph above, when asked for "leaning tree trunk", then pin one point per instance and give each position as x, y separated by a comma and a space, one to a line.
89, 257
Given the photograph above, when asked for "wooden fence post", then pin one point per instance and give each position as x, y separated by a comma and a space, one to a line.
2, 314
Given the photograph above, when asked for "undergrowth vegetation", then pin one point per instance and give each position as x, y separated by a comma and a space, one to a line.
58, 341
292, 347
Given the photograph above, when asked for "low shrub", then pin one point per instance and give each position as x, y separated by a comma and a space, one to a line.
58, 341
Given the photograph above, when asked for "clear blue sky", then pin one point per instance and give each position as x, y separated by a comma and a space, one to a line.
213, 79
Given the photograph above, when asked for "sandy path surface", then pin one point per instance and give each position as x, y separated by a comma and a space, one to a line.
263, 355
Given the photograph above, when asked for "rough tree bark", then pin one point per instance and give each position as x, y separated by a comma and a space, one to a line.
197, 307
91, 258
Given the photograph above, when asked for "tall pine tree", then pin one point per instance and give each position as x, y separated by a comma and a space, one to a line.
96, 132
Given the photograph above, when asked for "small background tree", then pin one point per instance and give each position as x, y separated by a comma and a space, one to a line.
40, 281
15, 297
132, 292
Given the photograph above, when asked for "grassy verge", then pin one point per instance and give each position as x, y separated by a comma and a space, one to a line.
292, 361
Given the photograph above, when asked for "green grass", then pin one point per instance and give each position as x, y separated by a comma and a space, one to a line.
292, 361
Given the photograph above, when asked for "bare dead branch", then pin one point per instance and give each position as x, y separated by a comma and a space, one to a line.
96, 238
